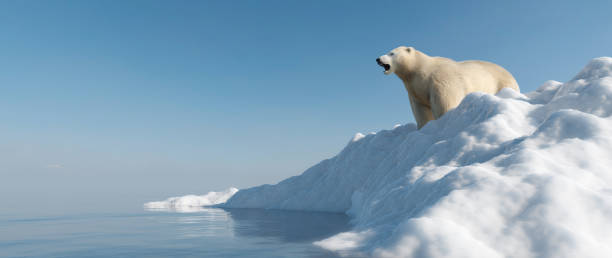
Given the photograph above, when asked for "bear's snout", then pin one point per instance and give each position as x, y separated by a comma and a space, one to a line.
386, 66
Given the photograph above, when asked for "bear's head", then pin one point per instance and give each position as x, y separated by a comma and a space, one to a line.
395, 59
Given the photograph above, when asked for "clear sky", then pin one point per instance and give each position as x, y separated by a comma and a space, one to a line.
132, 101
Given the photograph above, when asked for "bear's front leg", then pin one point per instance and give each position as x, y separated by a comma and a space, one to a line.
443, 99
422, 113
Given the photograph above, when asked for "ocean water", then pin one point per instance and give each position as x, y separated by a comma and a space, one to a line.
203, 233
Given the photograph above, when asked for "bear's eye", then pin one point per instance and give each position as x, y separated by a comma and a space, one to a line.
390, 54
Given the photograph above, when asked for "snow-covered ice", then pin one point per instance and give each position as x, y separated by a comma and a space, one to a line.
511, 175
192, 203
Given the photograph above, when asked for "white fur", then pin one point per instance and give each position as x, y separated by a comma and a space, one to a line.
436, 85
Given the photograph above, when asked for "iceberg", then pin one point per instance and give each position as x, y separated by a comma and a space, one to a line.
510, 175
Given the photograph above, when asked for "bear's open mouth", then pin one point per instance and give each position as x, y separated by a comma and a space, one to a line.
386, 66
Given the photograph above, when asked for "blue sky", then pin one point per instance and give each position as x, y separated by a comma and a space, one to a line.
141, 100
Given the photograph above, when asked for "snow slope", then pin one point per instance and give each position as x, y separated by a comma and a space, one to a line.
509, 175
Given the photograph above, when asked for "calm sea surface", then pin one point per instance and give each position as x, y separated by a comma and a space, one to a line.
203, 233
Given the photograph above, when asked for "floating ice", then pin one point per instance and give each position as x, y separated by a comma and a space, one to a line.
192, 203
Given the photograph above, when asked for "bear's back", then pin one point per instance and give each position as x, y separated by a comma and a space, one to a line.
489, 73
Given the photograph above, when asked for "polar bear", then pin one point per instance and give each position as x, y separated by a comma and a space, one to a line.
436, 85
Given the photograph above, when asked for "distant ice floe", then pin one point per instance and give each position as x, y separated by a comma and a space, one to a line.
191, 203
511, 175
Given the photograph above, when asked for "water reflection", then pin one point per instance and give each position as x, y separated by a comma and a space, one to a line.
287, 226
196, 222
221, 232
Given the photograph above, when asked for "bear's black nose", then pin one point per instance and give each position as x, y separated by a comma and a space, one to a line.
378, 60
